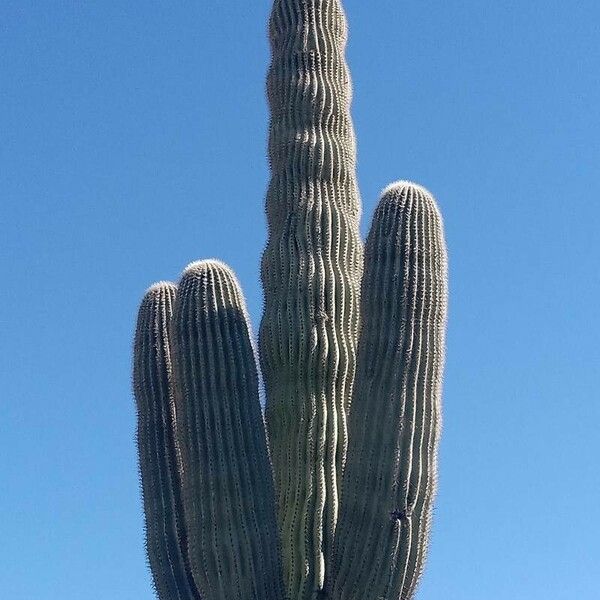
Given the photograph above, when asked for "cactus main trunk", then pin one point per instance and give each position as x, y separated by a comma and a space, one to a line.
311, 272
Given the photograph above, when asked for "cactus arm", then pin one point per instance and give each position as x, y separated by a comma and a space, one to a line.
311, 272
395, 418
228, 491
159, 473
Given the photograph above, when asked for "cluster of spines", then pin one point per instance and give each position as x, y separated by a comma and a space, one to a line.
395, 418
311, 275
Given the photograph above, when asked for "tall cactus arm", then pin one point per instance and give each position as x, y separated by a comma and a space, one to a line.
394, 421
159, 474
228, 491
311, 273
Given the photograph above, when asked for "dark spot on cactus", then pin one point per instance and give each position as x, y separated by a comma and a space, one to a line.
401, 515
321, 316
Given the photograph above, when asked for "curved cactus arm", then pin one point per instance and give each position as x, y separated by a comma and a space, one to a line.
159, 473
311, 273
228, 491
394, 422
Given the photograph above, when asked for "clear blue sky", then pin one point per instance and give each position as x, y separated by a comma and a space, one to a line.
132, 141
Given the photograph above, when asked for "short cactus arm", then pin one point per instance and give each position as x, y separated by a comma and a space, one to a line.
228, 491
159, 471
311, 275
394, 421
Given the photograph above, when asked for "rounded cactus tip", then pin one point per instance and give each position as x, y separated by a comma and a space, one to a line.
215, 274
399, 190
199, 267
402, 186
160, 287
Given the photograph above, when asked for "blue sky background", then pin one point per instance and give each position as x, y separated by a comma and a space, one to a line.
132, 141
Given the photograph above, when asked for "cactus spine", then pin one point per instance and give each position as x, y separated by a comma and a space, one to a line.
311, 274
339, 507
390, 476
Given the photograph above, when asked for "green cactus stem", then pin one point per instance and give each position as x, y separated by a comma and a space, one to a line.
159, 469
311, 272
395, 418
228, 492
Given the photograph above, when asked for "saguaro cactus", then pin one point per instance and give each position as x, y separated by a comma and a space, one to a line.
333, 497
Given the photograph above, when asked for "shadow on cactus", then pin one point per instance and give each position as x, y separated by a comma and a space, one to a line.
328, 495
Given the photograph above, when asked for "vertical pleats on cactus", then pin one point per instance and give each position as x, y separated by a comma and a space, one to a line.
311, 272
228, 494
395, 418
159, 467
